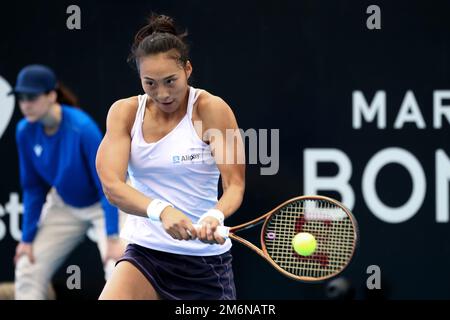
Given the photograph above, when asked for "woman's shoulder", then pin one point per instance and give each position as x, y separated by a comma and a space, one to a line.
126, 105
209, 103
75, 115
79, 120
124, 111
212, 107
125, 108
24, 128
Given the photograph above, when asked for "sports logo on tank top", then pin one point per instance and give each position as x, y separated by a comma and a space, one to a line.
185, 158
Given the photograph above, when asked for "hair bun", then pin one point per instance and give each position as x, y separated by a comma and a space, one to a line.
162, 24
160, 34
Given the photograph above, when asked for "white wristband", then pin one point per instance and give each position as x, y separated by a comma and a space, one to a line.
215, 213
155, 208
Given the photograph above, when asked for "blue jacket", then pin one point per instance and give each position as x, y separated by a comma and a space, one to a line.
65, 161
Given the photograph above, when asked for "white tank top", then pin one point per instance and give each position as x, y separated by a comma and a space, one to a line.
178, 168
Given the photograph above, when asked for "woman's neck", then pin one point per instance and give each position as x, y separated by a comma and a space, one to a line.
52, 119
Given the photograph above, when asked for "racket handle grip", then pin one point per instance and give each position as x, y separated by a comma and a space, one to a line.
222, 230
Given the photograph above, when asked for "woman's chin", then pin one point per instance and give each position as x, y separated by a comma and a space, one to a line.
168, 107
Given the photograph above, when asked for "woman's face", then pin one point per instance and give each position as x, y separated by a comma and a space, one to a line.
164, 80
36, 107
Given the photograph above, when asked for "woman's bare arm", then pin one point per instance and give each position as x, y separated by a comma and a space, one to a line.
112, 159
222, 132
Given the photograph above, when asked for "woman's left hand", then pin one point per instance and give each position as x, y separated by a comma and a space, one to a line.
208, 233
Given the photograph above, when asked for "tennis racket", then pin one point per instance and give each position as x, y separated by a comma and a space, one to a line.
333, 226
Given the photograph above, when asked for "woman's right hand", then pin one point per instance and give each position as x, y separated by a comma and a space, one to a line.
24, 248
177, 224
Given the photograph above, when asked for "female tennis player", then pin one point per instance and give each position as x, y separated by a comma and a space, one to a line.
62, 193
173, 141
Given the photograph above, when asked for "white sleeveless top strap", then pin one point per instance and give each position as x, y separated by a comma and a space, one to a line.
142, 101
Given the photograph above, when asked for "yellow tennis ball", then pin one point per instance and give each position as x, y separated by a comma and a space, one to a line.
304, 243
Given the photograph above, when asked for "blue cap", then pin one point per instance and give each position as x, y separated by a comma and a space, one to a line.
35, 78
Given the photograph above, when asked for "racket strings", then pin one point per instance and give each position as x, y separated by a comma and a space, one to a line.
328, 223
